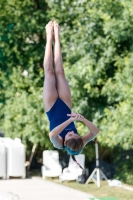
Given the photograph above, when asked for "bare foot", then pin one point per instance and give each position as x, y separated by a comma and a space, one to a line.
49, 30
56, 30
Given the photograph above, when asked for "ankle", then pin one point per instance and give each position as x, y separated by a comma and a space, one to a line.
57, 38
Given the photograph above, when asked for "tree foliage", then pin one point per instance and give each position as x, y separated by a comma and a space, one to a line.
21, 49
97, 48
98, 62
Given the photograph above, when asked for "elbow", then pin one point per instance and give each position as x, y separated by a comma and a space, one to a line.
96, 131
51, 134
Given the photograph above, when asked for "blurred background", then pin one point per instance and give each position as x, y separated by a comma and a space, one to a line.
97, 48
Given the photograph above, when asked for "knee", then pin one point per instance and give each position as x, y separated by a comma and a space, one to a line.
60, 72
49, 72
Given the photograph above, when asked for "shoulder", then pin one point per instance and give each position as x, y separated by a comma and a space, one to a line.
57, 142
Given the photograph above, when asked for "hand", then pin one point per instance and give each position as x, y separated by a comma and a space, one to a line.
76, 116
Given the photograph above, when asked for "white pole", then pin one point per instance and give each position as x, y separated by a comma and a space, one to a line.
97, 170
97, 156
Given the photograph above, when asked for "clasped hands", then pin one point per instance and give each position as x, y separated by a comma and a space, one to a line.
76, 116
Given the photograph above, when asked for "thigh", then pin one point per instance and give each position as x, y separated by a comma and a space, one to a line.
63, 88
50, 94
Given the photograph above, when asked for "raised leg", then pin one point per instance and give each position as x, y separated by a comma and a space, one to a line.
62, 84
49, 90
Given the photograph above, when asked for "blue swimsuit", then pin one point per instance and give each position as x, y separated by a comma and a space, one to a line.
58, 114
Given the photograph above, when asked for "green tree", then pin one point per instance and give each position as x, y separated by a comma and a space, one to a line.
97, 47
97, 43
21, 49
